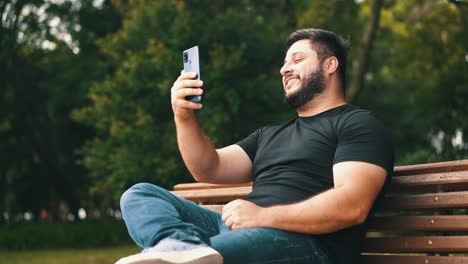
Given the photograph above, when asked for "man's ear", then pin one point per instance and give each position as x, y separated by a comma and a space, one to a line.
331, 64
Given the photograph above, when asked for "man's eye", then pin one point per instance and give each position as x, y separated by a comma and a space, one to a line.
297, 60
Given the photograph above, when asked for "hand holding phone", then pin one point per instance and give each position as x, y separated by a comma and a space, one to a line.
191, 64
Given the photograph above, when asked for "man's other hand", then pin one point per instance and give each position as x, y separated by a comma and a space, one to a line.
243, 214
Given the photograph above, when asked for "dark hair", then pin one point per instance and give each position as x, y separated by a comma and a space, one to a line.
326, 44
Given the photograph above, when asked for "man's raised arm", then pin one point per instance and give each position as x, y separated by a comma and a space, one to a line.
206, 164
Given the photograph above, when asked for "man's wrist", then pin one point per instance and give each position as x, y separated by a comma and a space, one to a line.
188, 119
268, 217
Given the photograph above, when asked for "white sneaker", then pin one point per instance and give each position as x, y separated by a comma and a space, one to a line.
199, 255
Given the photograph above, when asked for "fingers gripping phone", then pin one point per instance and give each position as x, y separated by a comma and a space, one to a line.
191, 64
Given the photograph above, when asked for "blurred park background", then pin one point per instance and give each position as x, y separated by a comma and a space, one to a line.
85, 98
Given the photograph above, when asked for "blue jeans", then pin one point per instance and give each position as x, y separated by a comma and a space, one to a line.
152, 213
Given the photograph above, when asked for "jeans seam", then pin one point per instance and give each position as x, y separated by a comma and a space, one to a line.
183, 213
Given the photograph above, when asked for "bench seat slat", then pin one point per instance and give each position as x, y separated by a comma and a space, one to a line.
457, 179
454, 181
417, 244
406, 202
420, 223
392, 259
446, 166
214, 195
435, 181
426, 201
200, 186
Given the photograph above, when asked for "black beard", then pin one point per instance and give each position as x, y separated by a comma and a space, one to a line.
313, 84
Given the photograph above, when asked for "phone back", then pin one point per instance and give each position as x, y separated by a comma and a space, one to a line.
191, 64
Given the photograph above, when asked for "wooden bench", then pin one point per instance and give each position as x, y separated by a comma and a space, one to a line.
422, 219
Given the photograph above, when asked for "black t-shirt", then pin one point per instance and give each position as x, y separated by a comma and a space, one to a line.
294, 161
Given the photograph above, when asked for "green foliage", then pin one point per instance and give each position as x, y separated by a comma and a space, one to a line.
38, 89
82, 234
131, 108
418, 80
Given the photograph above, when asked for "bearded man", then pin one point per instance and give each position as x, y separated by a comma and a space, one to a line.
316, 177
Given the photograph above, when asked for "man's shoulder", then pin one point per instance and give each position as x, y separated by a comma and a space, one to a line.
353, 114
356, 121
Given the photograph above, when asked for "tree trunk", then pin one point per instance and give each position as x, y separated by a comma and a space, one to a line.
359, 69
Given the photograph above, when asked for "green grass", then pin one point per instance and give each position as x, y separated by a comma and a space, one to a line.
68, 256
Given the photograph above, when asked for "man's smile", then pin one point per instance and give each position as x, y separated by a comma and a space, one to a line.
289, 79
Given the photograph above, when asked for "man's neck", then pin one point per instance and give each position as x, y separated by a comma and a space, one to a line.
321, 103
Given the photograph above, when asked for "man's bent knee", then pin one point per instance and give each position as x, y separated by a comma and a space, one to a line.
137, 192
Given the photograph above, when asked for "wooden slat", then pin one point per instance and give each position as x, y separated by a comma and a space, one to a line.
441, 181
392, 259
411, 181
214, 207
426, 201
417, 244
214, 195
406, 202
420, 223
435, 188
447, 166
200, 186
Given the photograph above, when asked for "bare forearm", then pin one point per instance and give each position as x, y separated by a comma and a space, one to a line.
197, 151
324, 213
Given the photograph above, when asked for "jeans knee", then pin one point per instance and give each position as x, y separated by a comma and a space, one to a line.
138, 192
135, 192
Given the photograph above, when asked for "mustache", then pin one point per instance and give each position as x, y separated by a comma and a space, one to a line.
293, 75
311, 85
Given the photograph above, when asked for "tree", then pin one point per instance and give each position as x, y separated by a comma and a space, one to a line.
417, 80
359, 69
44, 76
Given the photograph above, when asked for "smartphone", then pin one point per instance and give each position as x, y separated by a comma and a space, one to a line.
191, 64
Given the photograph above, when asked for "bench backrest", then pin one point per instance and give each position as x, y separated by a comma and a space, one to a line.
423, 218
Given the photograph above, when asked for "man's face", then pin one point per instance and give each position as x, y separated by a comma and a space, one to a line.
302, 74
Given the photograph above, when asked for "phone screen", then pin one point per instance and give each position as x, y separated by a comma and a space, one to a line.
191, 64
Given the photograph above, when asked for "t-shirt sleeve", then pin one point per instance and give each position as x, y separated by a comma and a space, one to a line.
250, 144
362, 137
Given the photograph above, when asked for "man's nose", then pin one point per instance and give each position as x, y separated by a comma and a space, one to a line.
285, 70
